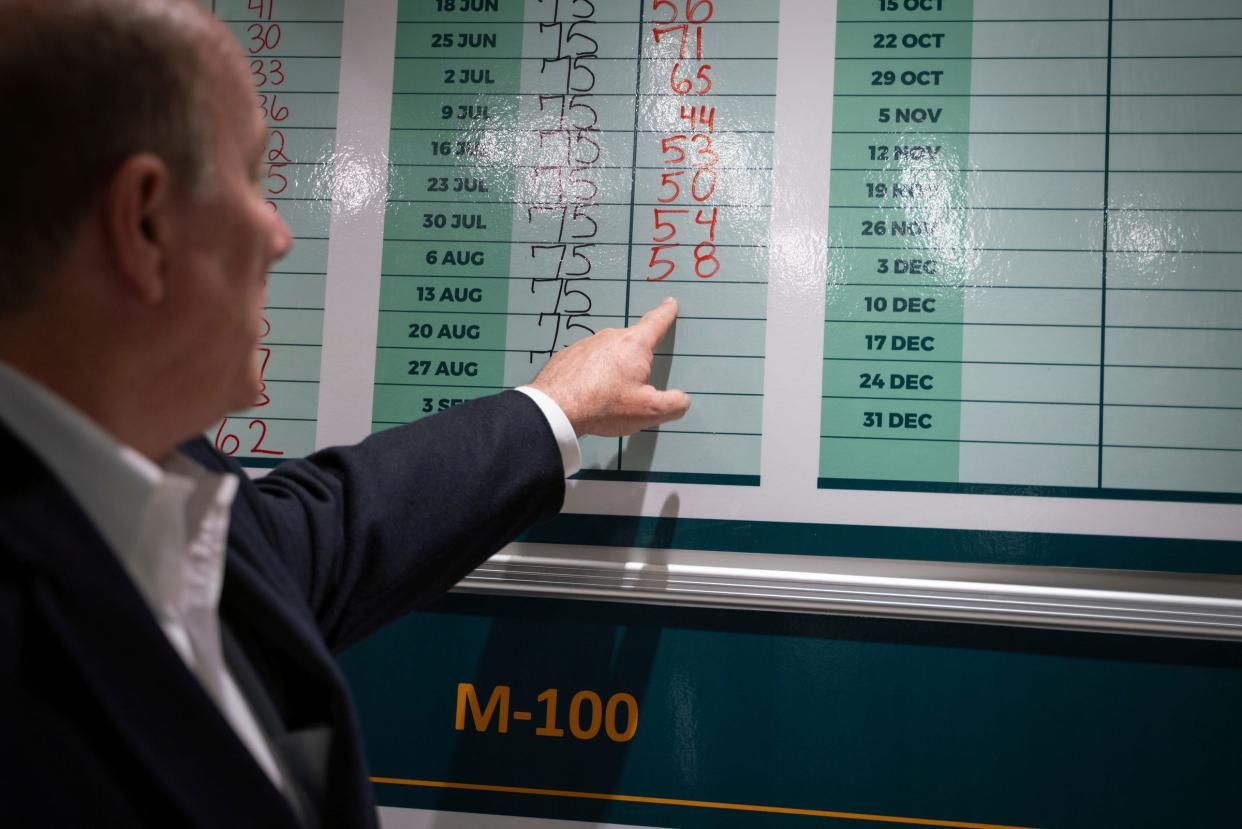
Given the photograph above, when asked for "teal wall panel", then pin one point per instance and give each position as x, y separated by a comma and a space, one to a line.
924, 721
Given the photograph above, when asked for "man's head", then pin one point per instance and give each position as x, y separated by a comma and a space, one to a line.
83, 86
134, 209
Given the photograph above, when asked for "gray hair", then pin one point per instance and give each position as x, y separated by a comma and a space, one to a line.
84, 85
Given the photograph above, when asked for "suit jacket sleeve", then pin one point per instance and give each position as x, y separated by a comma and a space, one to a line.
370, 531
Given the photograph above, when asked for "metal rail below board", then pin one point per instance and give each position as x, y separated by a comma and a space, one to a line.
1113, 601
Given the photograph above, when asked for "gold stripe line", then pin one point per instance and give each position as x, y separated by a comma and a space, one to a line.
702, 804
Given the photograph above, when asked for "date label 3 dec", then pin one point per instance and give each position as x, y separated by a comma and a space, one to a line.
586, 716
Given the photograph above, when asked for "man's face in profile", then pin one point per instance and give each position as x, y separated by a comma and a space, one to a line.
229, 238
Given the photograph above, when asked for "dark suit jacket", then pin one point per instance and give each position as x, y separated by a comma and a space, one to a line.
103, 724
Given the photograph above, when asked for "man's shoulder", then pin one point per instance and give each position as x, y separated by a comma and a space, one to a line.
203, 453
12, 601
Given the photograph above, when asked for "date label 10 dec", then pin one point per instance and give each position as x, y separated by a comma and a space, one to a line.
587, 715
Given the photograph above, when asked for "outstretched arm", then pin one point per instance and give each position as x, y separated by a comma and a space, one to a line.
370, 531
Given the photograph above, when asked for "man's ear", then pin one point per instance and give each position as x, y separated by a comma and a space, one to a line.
136, 211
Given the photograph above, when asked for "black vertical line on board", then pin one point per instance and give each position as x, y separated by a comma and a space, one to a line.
629, 259
1108, 119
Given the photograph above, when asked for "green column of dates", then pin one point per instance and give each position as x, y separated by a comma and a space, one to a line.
897, 237
444, 289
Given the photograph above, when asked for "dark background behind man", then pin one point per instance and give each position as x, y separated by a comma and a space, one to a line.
166, 625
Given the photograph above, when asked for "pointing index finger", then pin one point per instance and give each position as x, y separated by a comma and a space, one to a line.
656, 322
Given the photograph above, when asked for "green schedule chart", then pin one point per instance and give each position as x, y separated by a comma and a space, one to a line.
293, 50
1035, 248
560, 166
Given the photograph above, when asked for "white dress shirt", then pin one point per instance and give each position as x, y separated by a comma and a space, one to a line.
168, 526
562, 429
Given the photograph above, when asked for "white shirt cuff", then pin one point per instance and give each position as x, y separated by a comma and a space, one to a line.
562, 429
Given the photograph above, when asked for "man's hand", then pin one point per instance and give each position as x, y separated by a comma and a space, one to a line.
601, 382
